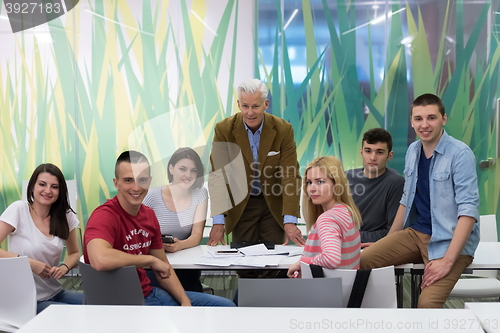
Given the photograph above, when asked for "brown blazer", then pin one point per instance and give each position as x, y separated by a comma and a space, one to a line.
233, 170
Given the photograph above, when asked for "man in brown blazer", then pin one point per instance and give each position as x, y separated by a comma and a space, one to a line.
255, 181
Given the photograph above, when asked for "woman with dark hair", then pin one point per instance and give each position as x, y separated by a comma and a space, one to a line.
38, 228
181, 209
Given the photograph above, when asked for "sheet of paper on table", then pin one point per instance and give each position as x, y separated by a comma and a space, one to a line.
255, 250
261, 250
259, 256
209, 260
292, 251
251, 261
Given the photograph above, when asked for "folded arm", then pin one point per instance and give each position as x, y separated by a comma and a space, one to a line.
170, 283
103, 257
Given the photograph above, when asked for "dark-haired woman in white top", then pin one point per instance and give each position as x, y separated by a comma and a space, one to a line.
38, 228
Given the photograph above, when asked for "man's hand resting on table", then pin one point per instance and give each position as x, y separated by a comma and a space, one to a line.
216, 235
293, 234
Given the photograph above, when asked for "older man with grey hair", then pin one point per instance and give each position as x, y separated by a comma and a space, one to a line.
260, 201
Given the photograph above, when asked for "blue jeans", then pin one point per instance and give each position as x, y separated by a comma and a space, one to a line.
64, 296
158, 296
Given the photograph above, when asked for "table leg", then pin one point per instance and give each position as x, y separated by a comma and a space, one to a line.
399, 272
416, 280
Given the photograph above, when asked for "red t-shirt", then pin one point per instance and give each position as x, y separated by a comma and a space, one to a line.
127, 233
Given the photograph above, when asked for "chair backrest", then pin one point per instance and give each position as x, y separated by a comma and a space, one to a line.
380, 291
17, 293
488, 228
316, 293
72, 191
115, 287
488, 233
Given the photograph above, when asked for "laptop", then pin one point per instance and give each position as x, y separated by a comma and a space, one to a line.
312, 293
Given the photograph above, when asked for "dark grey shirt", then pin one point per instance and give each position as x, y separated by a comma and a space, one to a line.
377, 200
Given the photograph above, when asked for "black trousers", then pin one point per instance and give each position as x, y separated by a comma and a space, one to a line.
189, 278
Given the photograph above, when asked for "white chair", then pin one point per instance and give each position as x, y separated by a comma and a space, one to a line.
481, 283
119, 286
17, 293
380, 291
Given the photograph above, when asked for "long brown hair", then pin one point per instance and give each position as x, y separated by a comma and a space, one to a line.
58, 210
332, 168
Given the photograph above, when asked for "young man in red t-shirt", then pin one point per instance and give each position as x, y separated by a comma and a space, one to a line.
124, 232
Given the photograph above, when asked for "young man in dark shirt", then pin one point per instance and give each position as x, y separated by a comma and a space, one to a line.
376, 189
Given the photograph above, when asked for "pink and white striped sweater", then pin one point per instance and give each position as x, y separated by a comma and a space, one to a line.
334, 241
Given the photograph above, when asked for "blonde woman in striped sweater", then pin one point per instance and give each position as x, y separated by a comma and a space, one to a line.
331, 216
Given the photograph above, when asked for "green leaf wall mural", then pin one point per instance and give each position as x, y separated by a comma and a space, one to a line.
114, 75
456, 58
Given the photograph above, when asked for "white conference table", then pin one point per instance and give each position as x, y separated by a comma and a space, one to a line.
184, 259
488, 314
123, 319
